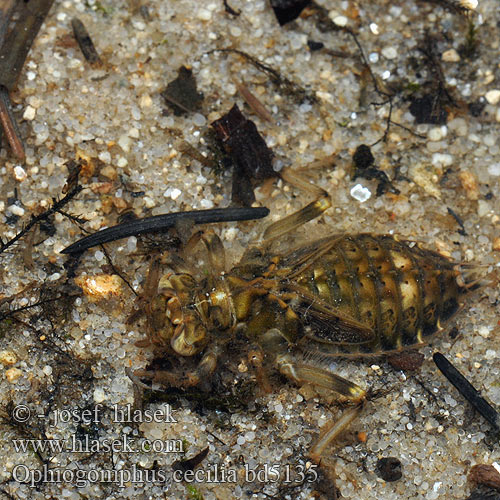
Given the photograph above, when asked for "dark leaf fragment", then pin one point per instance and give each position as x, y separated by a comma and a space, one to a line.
191, 463
84, 41
363, 161
389, 469
288, 10
428, 109
314, 45
251, 157
181, 94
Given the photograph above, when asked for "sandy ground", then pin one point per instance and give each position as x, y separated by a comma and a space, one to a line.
63, 372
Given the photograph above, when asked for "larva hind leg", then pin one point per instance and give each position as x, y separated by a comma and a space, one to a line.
301, 372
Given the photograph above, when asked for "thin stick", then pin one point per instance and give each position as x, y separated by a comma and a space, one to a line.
18, 42
9, 124
162, 222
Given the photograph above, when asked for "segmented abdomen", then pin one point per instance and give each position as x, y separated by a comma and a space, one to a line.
400, 290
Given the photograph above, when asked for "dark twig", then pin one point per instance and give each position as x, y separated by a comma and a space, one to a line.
459, 222
19, 40
84, 41
9, 124
6, 10
230, 10
14, 48
43, 216
162, 222
467, 390
276, 77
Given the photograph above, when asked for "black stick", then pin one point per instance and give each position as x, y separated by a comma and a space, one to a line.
162, 222
466, 389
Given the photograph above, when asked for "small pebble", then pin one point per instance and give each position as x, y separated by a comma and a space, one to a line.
390, 52
12, 374
340, 21
29, 113
360, 193
493, 96
8, 358
17, 210
437, 133
204, 15
470, 184
175, 193
450, 56
20, 174
494, 169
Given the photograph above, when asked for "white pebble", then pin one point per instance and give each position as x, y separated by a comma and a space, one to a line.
47, 369
340, 21
17, 210
470, 4
235, 31
104, 156
29, 113
204, 15
436, 134
493, 96
133, 132
450, 56
483, 208
124, 142
145, 101
207, 204
390, 52
442, 159
490, 354
494, 169
360, 193
122, 162
99, 395
30, 75
132, 244
373, 57
459, 126
483, 331
374, 28
19, 173
175, 193
199, 120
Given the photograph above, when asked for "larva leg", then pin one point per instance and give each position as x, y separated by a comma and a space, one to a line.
305, 214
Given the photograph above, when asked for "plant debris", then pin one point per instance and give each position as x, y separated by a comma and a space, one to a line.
486, 475
288, 10
250, 156
191, 463
363, 161
390, 469
466, 389
428, 109
84, 41
161, 222
181, 94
